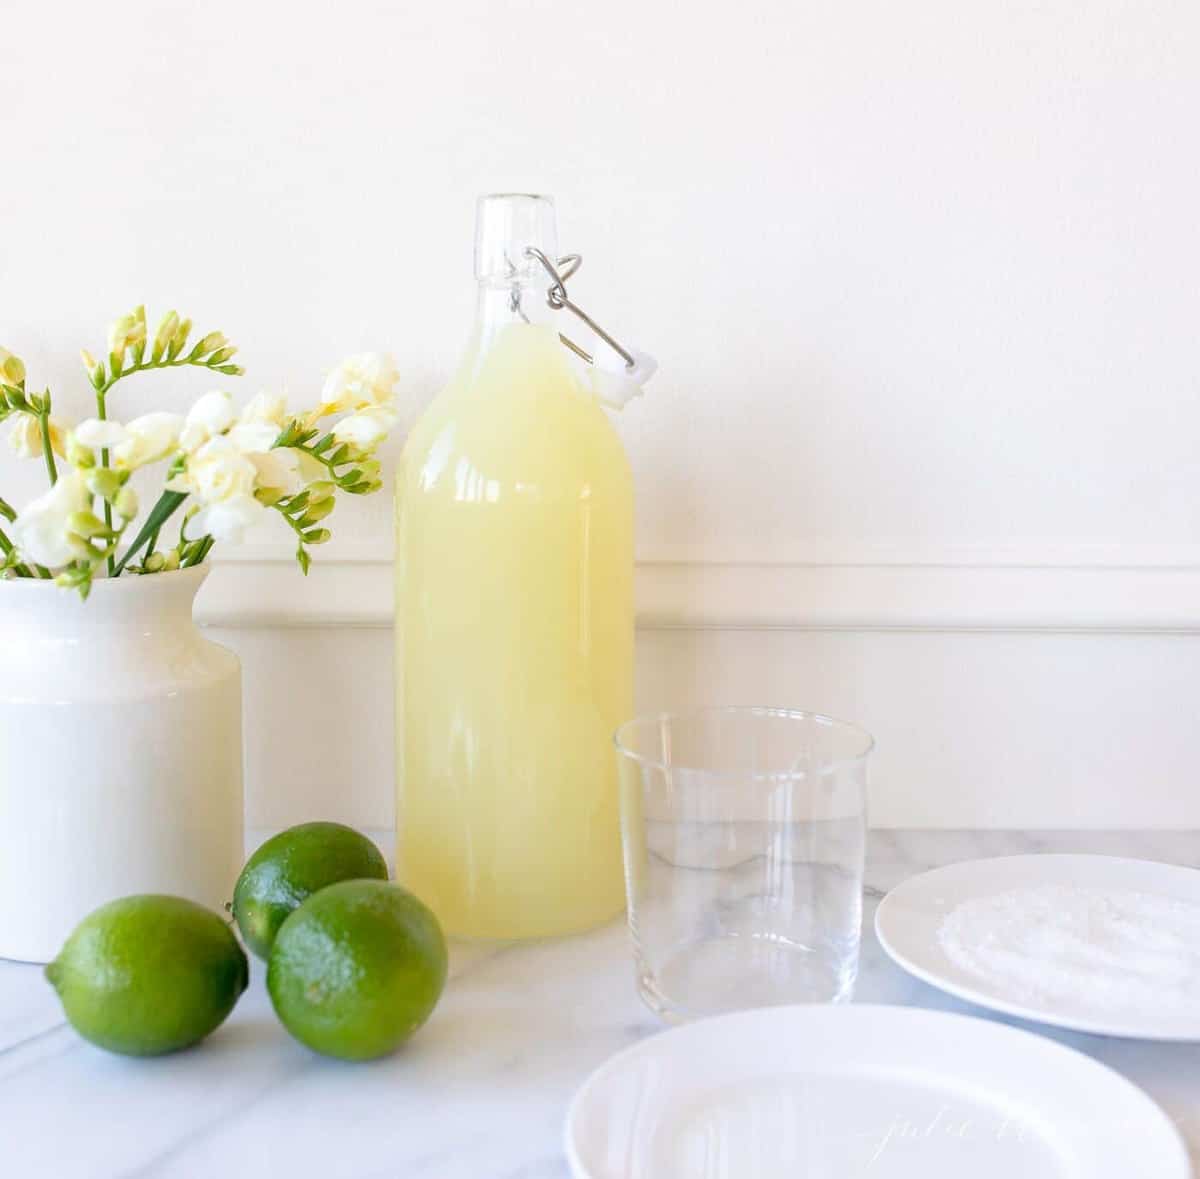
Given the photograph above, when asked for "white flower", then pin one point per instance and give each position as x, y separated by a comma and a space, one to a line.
227, 521
358, 382
25, 436
253, 437
366, 428
311, 470
266, 407
144, 440
210, 416
40, 532
218, 471
12, 371
222, 479
98, 435
148, 439
277, 472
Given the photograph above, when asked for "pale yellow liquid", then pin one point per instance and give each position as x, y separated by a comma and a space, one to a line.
514, 632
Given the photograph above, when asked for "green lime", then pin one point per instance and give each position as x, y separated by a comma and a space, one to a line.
149, 974
357, 969
292, 866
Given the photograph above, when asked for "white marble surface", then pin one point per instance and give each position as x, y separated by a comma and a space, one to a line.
480, 1093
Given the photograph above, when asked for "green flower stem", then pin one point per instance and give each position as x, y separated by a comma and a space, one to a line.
102, 414
326, 455
162, 511
301, 552
323, 459
293, 524
180, 361
114, 542
47, 447
112, 567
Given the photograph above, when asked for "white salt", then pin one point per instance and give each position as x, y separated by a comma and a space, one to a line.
1106, 950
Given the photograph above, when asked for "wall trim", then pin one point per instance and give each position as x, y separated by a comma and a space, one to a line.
354, 588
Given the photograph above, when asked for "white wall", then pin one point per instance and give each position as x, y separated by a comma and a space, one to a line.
974, 729
922, 279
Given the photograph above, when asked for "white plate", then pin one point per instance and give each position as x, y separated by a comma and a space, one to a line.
909, 917
824, 1092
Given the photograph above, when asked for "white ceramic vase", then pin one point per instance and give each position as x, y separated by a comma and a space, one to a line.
120, 754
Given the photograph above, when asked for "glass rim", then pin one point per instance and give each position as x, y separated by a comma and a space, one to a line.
761, 710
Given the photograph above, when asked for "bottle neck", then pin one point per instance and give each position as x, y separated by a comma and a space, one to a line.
500, 305
511, 229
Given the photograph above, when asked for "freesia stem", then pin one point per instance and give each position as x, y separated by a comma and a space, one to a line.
102, 414
179, 362
48, 447
322, 458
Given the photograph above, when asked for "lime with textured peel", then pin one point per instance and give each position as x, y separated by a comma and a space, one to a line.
146, 975
357, 968
290, 867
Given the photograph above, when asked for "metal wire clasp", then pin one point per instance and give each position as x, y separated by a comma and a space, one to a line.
557, 298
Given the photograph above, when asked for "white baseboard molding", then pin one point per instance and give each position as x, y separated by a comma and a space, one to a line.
264, 589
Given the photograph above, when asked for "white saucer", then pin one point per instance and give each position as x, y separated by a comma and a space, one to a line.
830, 1092
910, 916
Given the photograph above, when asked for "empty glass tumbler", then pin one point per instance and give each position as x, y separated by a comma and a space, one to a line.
744, 833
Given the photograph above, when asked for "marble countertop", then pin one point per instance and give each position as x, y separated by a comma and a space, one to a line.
479, 1093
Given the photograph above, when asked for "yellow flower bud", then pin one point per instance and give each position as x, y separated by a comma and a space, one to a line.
126, 503
84, 524
316, 512
12, 370
213, 342
104, 482
126, 332
164, 335
182, 330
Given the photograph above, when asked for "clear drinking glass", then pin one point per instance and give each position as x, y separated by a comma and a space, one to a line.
744, 832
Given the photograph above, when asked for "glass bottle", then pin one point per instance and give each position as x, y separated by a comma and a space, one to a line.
514, 617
